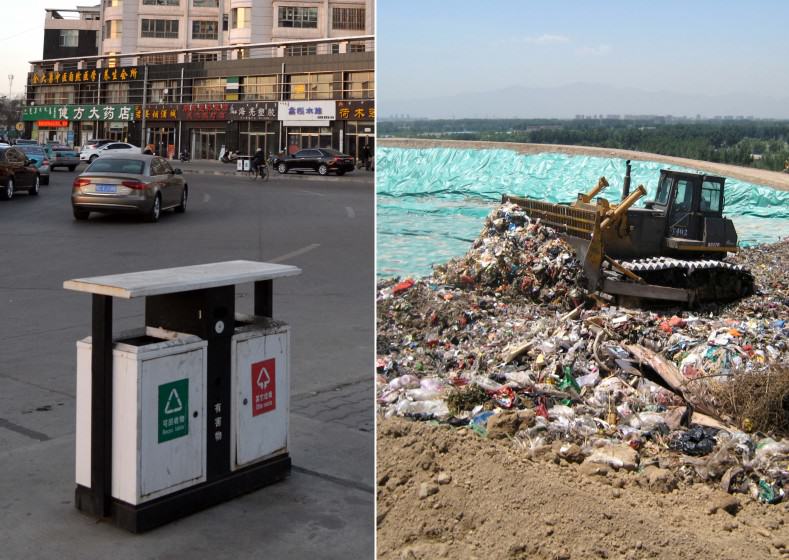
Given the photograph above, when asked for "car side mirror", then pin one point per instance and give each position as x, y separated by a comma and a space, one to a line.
177, 171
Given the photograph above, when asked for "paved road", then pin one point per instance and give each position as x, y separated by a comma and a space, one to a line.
325, 509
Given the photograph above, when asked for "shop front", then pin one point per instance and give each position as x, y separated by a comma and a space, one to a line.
77, 124
161, 128
357, 119
204, 127
51, 131
307, 124
257, 127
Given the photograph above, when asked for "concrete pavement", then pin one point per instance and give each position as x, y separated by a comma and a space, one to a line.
214, 167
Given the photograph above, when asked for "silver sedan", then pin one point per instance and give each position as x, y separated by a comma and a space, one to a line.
134, 183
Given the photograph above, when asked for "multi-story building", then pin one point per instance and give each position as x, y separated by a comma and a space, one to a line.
155, 25
278, 95
72, 32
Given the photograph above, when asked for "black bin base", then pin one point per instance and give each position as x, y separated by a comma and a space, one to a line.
158, 512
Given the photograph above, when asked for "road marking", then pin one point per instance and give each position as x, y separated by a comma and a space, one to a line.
32, 434
312, 192
296, 253
350, 212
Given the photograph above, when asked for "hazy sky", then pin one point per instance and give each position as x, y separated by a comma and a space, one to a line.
22, 37
432, 48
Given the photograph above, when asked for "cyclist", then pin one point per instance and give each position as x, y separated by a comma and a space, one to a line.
258, 160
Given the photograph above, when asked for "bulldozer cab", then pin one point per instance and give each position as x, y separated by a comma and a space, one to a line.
688, 199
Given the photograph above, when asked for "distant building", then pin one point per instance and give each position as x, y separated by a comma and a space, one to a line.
70, 33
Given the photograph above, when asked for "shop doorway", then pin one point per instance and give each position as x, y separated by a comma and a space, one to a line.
300, 138
206, 143
360, 134
161, 141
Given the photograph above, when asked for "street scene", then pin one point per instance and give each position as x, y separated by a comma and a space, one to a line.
323, 226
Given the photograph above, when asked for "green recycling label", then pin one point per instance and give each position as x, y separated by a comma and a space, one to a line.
173, 410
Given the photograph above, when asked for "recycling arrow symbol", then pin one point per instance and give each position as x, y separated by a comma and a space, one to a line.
263, 378
174, 403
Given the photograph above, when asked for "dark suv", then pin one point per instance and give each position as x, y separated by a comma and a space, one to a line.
322, 160
16, 173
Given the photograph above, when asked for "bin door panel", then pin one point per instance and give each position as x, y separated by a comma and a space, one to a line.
262, 382
172, 435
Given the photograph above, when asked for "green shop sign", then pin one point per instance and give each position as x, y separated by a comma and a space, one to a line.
79, 113
173, 410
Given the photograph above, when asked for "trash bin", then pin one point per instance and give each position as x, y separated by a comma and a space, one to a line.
158, 426
261, 389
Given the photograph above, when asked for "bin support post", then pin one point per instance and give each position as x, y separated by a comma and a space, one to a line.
264, 298
101, 406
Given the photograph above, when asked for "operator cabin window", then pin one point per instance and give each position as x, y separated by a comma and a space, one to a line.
204, 29
240, 18
159, 28
347, 18
112, 29
710, 197
684, 198
68, 38
290, 16
663, 189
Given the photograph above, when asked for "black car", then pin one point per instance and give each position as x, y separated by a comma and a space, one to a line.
322, 160
17, 172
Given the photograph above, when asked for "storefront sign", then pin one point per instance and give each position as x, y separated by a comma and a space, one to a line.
81, 76
205, 111
78, 113
262, 111
157, 113
356, 110
307, 111
52, 124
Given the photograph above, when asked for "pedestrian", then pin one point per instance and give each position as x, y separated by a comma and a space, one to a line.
365, 154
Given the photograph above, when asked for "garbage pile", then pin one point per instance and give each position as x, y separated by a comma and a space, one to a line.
505, 341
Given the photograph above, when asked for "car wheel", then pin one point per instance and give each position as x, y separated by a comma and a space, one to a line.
81, 214
72, 167
92, 158
282, 168
181, 208
340, 172
33, 191
323, 169
155, 211
8, 191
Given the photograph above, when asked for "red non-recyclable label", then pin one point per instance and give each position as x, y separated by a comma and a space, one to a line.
264, 387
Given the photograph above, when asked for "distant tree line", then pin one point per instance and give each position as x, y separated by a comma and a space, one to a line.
762, 144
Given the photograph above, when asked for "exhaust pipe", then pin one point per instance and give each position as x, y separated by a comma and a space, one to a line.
626, 186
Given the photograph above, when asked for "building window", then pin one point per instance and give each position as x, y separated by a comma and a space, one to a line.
240, 18
300, 50
290, 16
208, 89
356, 47
117, 93
159, 59
311, 86
68, 38
161, 2
204, 29
360, 85
255, 88
205, 3
347, 18
163, 91
112, 29
204, 57
160, 28
113, 3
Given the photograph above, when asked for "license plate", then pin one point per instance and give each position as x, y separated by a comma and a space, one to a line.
106, 188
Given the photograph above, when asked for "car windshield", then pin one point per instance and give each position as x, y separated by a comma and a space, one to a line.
117, 165
32, 150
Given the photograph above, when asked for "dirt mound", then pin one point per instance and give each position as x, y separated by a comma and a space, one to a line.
447, 493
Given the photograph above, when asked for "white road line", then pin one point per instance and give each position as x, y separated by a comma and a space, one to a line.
350, 211
296, 253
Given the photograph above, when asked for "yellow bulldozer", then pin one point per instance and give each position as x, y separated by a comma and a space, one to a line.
673, 248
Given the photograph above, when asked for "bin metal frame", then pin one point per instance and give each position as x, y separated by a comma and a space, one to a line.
198, 300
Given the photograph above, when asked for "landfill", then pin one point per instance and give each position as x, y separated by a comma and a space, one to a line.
506, 341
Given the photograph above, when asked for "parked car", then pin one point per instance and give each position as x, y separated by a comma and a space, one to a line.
38, 155
322, 160
63, 156
91, 149
17, 172
125, 182
26, 142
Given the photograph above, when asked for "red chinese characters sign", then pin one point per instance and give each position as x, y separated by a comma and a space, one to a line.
264, 387
205, 111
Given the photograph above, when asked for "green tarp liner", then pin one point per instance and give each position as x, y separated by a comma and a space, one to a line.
432, 202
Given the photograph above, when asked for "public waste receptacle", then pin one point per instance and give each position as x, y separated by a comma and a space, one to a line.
158, 426
261, 389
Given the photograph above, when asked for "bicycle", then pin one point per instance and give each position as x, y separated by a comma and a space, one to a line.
261, 171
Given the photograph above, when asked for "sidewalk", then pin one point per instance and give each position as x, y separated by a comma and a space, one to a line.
214, 167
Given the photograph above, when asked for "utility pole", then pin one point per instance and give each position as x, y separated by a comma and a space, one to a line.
10, 84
